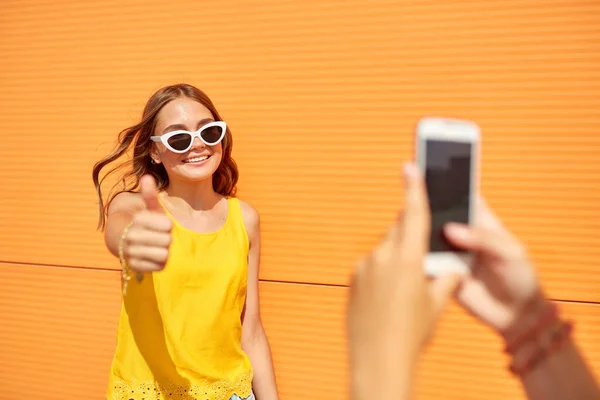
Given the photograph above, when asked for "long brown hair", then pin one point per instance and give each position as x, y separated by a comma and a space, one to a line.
137, 139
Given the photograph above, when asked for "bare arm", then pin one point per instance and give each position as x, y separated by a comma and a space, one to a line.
254, 338
120, 214
563, 374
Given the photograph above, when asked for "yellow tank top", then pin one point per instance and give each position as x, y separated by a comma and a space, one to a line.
179, 333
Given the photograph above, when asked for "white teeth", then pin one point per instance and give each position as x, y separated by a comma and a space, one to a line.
196, 159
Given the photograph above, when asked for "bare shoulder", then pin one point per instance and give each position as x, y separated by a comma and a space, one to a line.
126, 202
251, 218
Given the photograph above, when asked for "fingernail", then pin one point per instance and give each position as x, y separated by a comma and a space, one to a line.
410, 170
457, 231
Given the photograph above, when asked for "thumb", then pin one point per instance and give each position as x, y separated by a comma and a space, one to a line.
441, 289
482, 240
149, 193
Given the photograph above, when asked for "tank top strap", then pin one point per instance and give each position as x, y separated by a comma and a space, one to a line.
236, 219
164, 207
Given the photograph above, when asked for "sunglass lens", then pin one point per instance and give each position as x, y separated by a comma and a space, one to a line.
211, 135
180, 141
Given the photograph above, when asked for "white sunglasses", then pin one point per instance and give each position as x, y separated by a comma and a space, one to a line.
181, 141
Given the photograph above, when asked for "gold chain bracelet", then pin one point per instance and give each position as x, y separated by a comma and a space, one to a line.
125, 269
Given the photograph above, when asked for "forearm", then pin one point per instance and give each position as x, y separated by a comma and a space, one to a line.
386, 372
395, 381
549, 363
564, 374
115, 225
258, 350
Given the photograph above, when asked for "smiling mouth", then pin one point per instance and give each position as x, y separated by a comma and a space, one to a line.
196, 159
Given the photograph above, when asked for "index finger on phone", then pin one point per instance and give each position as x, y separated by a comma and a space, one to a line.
417, 219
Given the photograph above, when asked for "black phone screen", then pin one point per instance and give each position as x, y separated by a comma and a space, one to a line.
448, 178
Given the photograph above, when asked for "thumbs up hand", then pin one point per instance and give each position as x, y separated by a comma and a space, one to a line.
146, 245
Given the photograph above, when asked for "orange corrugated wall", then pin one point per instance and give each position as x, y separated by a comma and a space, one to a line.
322, 97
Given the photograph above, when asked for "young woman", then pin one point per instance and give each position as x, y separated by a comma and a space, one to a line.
190, 325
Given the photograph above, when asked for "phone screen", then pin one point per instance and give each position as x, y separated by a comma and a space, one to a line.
448, 178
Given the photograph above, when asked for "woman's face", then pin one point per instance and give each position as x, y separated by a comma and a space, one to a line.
200, 161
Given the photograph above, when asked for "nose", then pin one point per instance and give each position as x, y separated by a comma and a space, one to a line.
197, 143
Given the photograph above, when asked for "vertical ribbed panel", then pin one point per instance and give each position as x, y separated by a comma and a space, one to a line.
322, 98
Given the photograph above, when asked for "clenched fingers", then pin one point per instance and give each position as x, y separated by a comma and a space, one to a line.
481, 239
149, 238
158, 255
141, 265
153, 221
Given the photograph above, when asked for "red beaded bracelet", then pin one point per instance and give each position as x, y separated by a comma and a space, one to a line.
557, 339
549, 316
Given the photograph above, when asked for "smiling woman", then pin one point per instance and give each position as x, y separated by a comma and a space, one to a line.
190, 324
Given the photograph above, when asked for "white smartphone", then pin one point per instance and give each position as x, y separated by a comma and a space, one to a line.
447, 152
